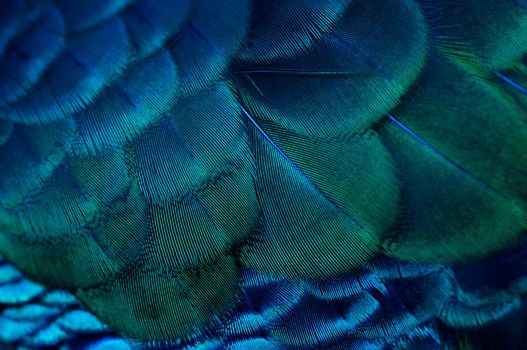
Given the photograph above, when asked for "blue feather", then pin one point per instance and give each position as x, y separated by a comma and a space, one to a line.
296, 174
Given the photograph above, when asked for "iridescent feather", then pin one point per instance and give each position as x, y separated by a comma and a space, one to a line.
251, 174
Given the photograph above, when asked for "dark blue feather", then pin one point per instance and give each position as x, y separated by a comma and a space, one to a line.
296, 174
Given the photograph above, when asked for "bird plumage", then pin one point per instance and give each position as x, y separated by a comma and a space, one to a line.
241, 174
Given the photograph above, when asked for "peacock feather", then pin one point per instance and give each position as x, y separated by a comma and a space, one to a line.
263, 174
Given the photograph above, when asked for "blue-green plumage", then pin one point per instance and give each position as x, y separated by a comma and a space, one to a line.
297, 174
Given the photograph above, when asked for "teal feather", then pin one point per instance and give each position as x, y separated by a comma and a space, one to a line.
284, 29
297, 174
75, 78
34, 51
151, 23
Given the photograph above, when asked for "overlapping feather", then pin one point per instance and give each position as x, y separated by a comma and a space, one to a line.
153, 153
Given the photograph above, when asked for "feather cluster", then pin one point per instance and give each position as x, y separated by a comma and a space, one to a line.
155, 153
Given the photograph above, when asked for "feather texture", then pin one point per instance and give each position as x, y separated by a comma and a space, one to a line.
298, 174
